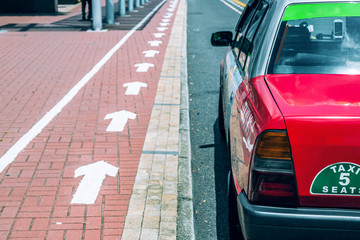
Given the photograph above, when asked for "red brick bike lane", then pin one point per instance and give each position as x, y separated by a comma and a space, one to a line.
50, 190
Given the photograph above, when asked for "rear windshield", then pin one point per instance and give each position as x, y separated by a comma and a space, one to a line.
319, 38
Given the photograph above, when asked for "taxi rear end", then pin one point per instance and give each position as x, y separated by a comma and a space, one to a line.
314, 78
302, 171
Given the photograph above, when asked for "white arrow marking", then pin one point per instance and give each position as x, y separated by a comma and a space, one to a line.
166, 20
161, 29
164, 24
158, 35
154, 43
168, 15
143, 67
94, 175
119, 120
150, 53
133, 88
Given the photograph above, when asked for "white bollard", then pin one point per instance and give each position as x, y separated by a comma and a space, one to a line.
96, 15
110, 11
122, 10
130, 5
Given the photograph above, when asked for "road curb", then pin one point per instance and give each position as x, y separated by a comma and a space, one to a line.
161, 202
185, 222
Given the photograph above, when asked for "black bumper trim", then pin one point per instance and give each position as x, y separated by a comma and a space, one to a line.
264, 222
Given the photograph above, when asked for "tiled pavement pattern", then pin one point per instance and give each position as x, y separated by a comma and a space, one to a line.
36, 70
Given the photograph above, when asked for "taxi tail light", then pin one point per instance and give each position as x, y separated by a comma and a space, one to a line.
272, 178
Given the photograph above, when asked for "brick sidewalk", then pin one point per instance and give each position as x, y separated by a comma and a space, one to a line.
37, 69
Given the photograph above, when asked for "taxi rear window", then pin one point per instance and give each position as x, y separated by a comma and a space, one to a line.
321, 38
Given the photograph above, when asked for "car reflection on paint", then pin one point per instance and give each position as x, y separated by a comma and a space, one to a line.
289, 110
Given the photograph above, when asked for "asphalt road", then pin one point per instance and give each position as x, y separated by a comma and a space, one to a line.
210, 165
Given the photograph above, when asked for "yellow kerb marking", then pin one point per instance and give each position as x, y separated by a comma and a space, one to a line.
240, 3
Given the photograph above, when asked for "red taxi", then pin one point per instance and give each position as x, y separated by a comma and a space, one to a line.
289, 110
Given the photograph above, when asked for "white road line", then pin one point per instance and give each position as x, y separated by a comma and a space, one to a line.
21, 144
233, 8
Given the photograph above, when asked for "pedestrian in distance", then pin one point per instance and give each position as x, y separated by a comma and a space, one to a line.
83, 7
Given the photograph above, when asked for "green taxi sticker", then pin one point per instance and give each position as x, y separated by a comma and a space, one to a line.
318, 10
337, 179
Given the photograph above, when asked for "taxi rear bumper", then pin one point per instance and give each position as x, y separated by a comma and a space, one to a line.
264, 222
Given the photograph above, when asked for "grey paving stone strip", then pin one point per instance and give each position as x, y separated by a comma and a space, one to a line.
161, 203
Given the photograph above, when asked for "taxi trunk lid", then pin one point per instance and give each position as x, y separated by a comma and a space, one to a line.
322, 117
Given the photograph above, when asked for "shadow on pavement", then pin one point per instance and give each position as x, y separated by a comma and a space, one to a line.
227, 226
222, 167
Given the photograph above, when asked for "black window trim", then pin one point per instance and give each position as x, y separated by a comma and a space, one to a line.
240, 68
